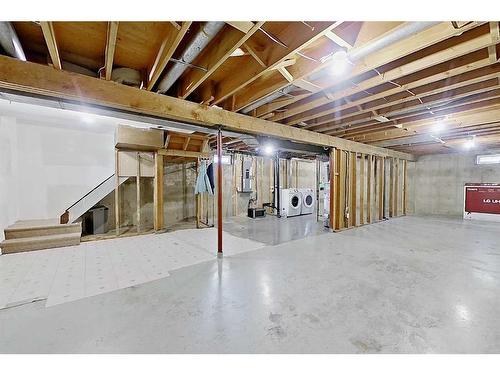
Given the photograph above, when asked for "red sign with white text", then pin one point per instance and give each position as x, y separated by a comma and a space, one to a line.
482, 198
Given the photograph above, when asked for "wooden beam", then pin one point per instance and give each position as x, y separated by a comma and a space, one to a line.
214, 57
381, 188
396, 188
362, 189
333, 190
369, 181
352, 190
255, 55
338, 40
341, 159
424, 90
286, 74
243, 26
51, 42
405, 186
167, 49
468, 46
397, 50
42, 80
110, 48
391, 187
158, 193
186, 143
185, 154
295, 36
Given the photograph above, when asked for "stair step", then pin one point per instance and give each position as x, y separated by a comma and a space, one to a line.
17, 245
37, 228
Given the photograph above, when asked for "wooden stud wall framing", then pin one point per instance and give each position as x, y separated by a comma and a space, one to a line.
362, 189
369, 180
381, 188
405, 180
158, 193
352, 189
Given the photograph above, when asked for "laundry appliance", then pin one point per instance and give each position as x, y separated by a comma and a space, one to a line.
290, 202
308, 201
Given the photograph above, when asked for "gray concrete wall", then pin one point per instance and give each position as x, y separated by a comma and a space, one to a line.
436, 182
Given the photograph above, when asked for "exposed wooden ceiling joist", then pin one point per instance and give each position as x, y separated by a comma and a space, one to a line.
110, 48
42, 80
51, 41
167, 49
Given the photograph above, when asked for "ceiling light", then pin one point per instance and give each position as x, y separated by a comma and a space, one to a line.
470, 143
339, 63
268, 149
438, 127
381, 118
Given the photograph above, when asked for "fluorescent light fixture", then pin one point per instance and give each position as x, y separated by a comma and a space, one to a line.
268, 149
340, 62
237, 52
381, 118
488, 159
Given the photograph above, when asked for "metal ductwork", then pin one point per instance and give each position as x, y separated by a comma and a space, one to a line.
193, 49
400, 33
267, 99
10, 42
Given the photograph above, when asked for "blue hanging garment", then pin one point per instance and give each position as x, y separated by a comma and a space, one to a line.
202, 181
210, 173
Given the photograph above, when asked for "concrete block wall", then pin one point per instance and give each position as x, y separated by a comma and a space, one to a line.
436, 182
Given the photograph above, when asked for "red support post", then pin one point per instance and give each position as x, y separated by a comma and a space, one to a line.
219, 193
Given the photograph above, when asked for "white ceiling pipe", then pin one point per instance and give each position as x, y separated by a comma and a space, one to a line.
396, 35
193, 49
10, 42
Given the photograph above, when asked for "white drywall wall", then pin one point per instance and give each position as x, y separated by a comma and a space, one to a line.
49, 158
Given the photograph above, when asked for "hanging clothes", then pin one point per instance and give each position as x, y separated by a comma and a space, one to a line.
202, 181
210, 173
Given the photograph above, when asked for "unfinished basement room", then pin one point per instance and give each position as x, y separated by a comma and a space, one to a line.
249, 187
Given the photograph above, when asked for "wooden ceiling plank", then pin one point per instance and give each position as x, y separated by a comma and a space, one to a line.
51, 42
449, 83
397, 50
214, 58
243, 26
481, 96
110, 48
298, 37
485, 114
166, 51
42, 80
427, 62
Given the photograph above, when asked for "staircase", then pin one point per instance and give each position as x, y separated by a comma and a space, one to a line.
28, 235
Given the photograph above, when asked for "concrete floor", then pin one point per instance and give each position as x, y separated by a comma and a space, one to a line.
408, 285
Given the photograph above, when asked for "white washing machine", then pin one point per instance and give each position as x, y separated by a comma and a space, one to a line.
290, 202
308, 201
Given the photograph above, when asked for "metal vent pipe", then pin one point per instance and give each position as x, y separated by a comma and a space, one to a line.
396, 35
193, 49
10, 42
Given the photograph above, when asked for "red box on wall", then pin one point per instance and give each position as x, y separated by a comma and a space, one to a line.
482, 198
